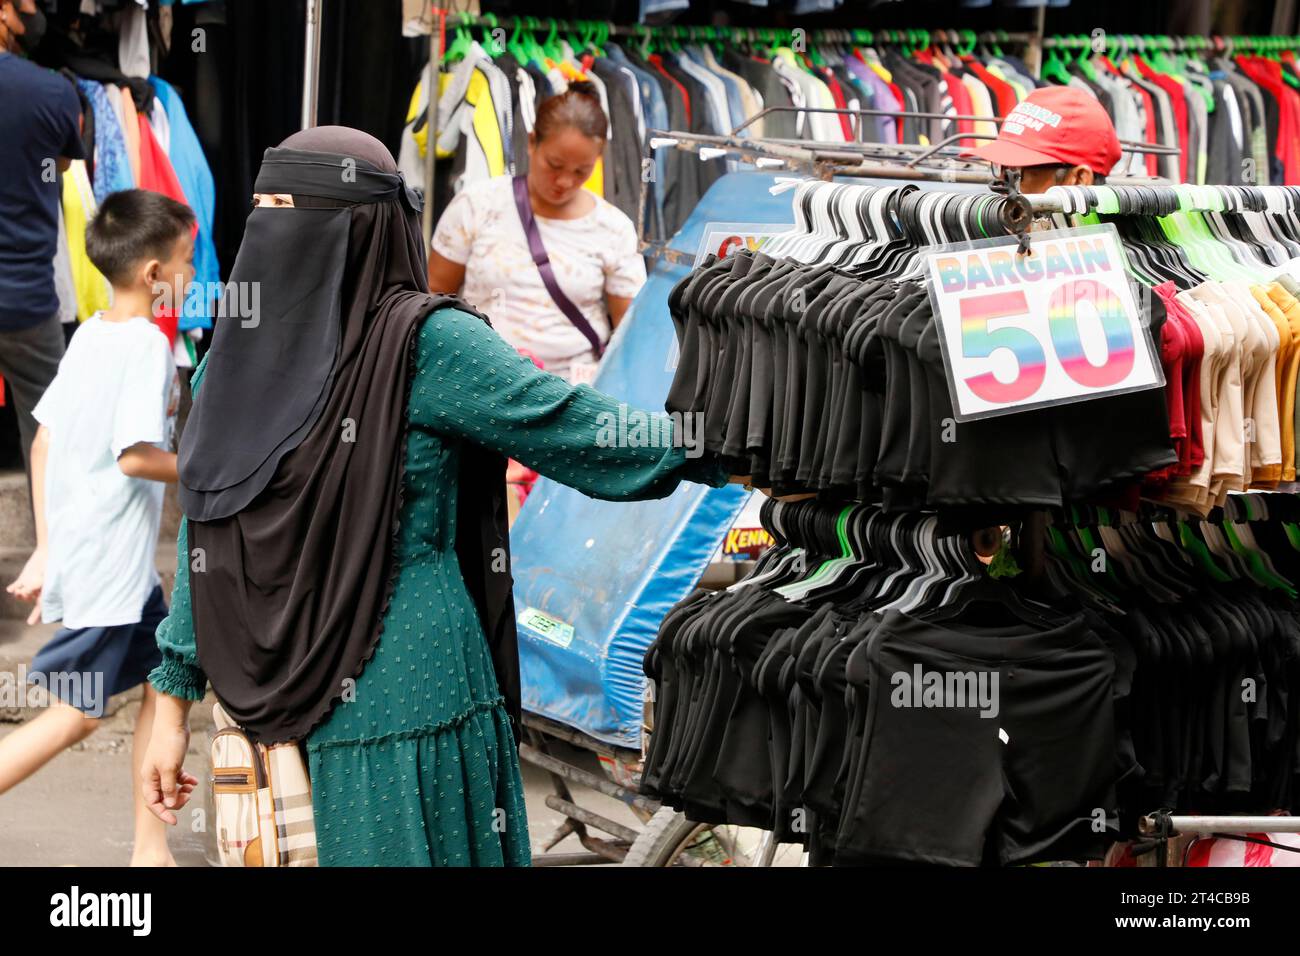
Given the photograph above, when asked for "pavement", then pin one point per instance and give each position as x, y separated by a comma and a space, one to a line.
76, 811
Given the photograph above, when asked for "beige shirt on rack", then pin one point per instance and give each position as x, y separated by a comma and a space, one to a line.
1230, 416
1194, 491
1265, 431
1258, 358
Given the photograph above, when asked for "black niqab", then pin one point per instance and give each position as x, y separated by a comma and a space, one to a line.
291, 464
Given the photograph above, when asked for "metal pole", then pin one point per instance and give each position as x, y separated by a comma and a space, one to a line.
311, 65
1034, 55
1203, 824
431, 84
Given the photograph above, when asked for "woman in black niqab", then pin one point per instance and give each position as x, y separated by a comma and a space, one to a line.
342, 478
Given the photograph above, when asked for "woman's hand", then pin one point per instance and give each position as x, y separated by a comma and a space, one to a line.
747, 479
164, 783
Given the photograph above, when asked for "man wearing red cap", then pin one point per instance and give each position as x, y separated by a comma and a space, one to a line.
1056, 136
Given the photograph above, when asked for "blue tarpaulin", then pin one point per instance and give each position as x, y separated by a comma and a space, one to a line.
611, 570
594, 579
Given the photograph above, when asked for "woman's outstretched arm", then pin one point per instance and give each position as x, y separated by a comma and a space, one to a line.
471, 384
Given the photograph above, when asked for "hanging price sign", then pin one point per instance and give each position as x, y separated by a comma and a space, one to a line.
1057, 325
723, 238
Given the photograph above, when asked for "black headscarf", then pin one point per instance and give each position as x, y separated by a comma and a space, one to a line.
298, 525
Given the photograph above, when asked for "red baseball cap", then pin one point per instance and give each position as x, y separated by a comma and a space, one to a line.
1055, 124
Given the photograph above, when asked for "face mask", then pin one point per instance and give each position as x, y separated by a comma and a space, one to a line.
35, 24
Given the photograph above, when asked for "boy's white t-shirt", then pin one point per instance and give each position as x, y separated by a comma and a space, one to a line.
116, 386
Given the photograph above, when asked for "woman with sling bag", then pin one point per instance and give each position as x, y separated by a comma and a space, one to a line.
554, 265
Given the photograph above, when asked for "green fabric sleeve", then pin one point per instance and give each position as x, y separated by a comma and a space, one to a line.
471, 384
179, 674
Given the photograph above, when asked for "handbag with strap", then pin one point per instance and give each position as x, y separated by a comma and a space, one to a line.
543, 262
261, 799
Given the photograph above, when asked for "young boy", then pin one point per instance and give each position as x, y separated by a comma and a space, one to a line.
99, 461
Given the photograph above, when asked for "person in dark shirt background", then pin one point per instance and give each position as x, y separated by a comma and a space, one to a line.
40, 135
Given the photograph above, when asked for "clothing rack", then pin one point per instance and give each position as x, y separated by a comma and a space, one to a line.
827, 160
1160, 200
693, 33
1165, 199
1124, 42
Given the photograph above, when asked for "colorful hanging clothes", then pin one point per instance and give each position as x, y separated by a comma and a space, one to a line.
92, 289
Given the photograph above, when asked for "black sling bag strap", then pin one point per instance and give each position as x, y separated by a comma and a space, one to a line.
543, 262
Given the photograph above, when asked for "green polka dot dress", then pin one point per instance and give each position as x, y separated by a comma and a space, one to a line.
417, 766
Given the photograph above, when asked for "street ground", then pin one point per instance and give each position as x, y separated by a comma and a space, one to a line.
77, 810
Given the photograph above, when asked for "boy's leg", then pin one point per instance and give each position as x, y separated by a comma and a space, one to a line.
40, 740
150, 833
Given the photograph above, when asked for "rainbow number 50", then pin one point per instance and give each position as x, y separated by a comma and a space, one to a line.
979, 341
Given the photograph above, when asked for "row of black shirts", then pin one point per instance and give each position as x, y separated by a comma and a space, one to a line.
818, 378
829, 718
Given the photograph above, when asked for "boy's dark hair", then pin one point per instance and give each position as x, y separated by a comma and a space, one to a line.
132, 226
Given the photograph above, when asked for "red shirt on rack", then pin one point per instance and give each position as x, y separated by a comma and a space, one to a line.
658, 63
1179, 103
1268, 74
837, 94
1003, 93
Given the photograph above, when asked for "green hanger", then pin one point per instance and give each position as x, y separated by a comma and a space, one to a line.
1054, 68
551, 45
586, 35
1259, 570
1084, 60
532, 52
966, 46
647, 40
814, 54
489, 22
460, 45
568, 39
798, 589
516, 45
1158, 60
1201, 554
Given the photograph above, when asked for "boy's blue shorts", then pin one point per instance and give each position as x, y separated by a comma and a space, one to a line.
85, 666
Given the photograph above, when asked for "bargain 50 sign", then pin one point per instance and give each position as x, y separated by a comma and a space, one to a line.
1056, 325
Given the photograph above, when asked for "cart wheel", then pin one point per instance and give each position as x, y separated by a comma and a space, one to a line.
669, 839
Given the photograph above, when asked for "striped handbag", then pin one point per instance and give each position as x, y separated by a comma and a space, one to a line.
261, 799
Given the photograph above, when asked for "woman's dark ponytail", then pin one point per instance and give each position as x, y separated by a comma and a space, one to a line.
578, 107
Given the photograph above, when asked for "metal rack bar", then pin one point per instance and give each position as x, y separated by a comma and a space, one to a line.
819, 159
1192, 42
736, 34
861, 112
1152, 825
